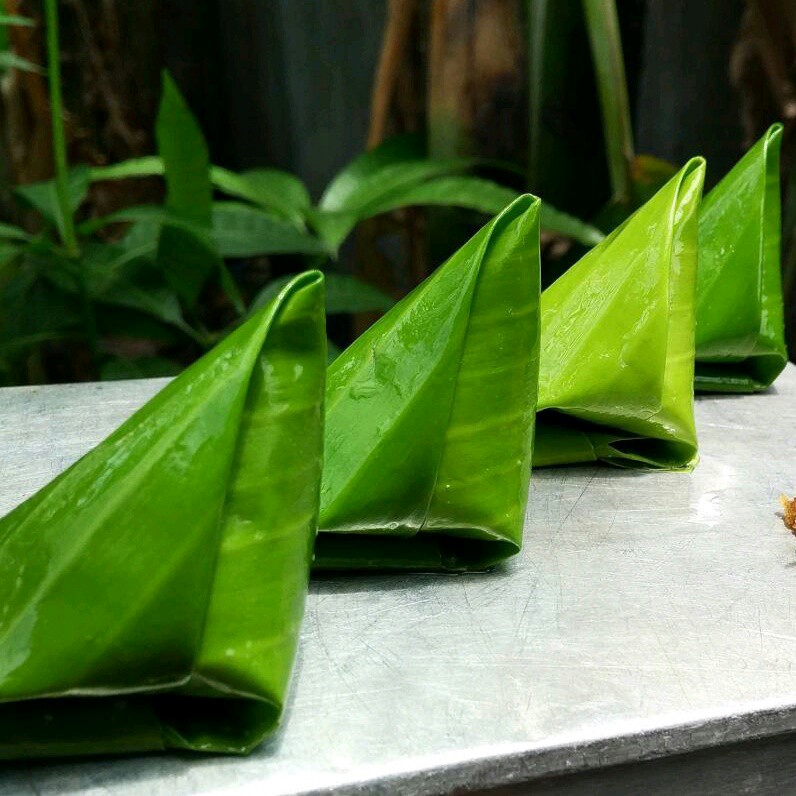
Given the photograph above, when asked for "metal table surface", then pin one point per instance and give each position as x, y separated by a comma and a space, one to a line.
648, 615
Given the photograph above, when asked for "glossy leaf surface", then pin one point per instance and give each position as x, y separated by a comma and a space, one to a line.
430, 413
165, 571
740, 338
617, 351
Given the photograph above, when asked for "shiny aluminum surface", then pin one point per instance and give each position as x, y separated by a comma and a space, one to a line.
647, 615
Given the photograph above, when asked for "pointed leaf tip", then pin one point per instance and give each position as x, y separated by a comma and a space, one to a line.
522, 204
774, 133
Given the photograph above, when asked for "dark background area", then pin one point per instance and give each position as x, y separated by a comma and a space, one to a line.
289, 84
286, 84
307, 87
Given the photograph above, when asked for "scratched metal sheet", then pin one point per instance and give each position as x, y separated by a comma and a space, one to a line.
647, 615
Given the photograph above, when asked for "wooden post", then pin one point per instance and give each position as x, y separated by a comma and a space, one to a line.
476, 78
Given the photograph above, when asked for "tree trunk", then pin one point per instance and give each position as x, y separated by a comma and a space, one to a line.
476, 78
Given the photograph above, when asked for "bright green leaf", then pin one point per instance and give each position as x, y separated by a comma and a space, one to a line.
740, 329
161, 508
617, 366
430, 413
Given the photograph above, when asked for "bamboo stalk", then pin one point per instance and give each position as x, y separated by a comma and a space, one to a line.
400, 14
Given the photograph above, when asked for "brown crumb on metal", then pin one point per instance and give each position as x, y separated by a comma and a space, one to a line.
789, 512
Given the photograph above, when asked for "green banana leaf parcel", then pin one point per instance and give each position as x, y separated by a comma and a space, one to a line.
740, 338
430, 414
152, 593
617, 348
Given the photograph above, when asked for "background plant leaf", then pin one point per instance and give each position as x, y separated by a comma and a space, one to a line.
147, 166
188, 259
186, 161
10, 60
42, 196
344, 293
118, 276
240, 230
16, 19
270, 189
397, 163
12, 232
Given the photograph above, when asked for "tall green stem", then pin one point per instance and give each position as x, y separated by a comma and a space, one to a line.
537, 11
609, 65
65, 219
66, 224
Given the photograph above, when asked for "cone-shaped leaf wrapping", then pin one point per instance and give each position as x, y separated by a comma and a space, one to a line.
150, 596
429, 415
617, 351
740, 338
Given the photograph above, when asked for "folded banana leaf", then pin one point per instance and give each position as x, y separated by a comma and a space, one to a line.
617, 351
430, 414
151, 594
740, 337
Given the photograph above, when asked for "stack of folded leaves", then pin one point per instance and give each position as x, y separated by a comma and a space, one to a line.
152, 593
